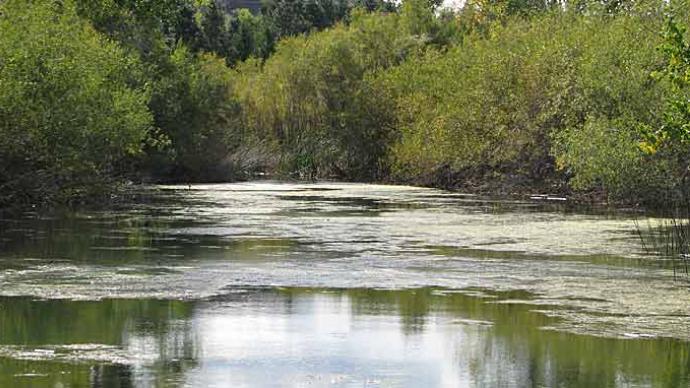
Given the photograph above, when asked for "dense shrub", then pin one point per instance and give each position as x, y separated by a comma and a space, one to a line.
537, 89
310, 101
500, 94
194, 108
69, 113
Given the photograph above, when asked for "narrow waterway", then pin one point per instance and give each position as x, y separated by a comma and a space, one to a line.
276, 284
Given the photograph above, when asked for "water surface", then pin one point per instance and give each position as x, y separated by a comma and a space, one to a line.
274, 284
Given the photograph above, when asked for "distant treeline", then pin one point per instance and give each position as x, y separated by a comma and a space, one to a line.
507, 95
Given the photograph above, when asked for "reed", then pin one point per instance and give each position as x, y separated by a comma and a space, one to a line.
669, 238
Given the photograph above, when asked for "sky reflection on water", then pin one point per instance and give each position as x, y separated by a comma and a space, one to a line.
267, 284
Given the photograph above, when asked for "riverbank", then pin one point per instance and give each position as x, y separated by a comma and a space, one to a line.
574, 102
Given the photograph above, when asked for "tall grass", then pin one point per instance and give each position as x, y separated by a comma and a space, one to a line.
669, 238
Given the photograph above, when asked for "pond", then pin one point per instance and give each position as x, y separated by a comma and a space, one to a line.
333, 284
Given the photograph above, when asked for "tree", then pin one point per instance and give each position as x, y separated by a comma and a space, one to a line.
292, 17
251, 35
215, 29
70, 109
676, 50
194, 108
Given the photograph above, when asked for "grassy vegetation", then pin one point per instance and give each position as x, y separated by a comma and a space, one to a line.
587, 97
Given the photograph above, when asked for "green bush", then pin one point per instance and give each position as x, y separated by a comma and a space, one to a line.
486, 106
515, 93
505, 107
311, 102
606, 154
194, 108
69, 113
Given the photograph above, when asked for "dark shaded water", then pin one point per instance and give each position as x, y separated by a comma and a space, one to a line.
265, 284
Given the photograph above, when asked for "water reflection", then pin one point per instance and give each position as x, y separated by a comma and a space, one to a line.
282, 284
258, 336
105, 343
